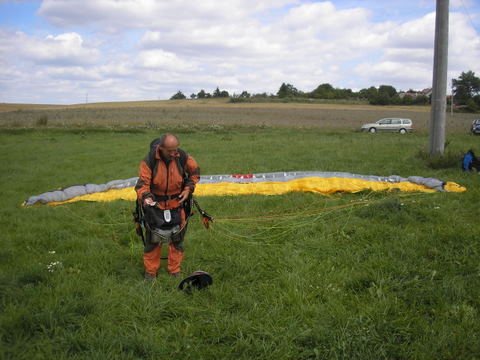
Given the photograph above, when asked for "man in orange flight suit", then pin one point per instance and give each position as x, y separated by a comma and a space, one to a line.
164, 188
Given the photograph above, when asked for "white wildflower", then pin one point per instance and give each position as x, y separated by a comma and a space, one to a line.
53, 265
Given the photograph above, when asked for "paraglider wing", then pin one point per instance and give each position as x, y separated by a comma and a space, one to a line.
264, 183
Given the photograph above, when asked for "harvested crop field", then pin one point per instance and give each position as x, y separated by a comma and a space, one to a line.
153, 114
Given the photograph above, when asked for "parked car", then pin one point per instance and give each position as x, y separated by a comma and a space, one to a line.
390, 124
475, 128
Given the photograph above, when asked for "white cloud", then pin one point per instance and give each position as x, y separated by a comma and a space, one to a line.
159, 59
464, 45
407, 56
64, 49
403, 76
72, 73
9, 74
325, 20
460, 4
416, 34
146, 49
117, 69
229, 41
114, 15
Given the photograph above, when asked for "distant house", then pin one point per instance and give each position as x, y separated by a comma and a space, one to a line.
426, 92
414, 94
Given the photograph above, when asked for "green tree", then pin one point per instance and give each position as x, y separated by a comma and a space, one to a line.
421, 100
369, 93
178, 96
476, 98
465, 87
287, 90
223, 93
407, 100
381, 98
201, 94
327, 91
260, 95
344, 93
385, 95
323, 91
471, 106
388, 90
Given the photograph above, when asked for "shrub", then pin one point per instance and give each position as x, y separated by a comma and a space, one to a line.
445, 161
42, 121
178, 96
472, 106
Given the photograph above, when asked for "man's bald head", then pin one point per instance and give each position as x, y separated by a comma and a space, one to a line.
169, 140
169, 145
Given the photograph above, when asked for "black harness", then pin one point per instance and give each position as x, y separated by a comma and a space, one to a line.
139, 213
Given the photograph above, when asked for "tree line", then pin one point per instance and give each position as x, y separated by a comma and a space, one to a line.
202, 94
465, 90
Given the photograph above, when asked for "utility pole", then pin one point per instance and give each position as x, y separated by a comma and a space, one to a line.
439, 86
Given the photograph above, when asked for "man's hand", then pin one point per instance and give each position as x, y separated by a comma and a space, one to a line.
183, 196
149, 202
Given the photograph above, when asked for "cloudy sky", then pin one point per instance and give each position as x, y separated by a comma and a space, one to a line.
73, 51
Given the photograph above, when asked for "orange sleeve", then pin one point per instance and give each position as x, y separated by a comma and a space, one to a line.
144, 180
193, 172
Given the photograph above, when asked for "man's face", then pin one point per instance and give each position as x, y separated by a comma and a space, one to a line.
169, 149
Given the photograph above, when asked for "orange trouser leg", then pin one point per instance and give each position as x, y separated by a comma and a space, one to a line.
175, 258
151, 260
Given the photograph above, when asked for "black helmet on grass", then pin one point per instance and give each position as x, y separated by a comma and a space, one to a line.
196, 280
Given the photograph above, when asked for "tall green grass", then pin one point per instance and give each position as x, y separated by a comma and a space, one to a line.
393, 276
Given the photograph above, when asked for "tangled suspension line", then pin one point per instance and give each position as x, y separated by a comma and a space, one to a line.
266, 228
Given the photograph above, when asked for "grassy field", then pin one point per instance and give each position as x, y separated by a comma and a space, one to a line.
396, 277
217, 112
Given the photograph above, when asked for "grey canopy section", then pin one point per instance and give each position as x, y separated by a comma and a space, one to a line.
70, 192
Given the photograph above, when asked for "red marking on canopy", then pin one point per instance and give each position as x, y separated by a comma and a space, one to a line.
242, 176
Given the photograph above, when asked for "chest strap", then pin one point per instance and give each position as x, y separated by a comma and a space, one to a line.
166, 197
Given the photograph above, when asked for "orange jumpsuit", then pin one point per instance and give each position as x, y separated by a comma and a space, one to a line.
163, 183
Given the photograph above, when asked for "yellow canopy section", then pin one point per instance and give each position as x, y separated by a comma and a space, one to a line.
309, 184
